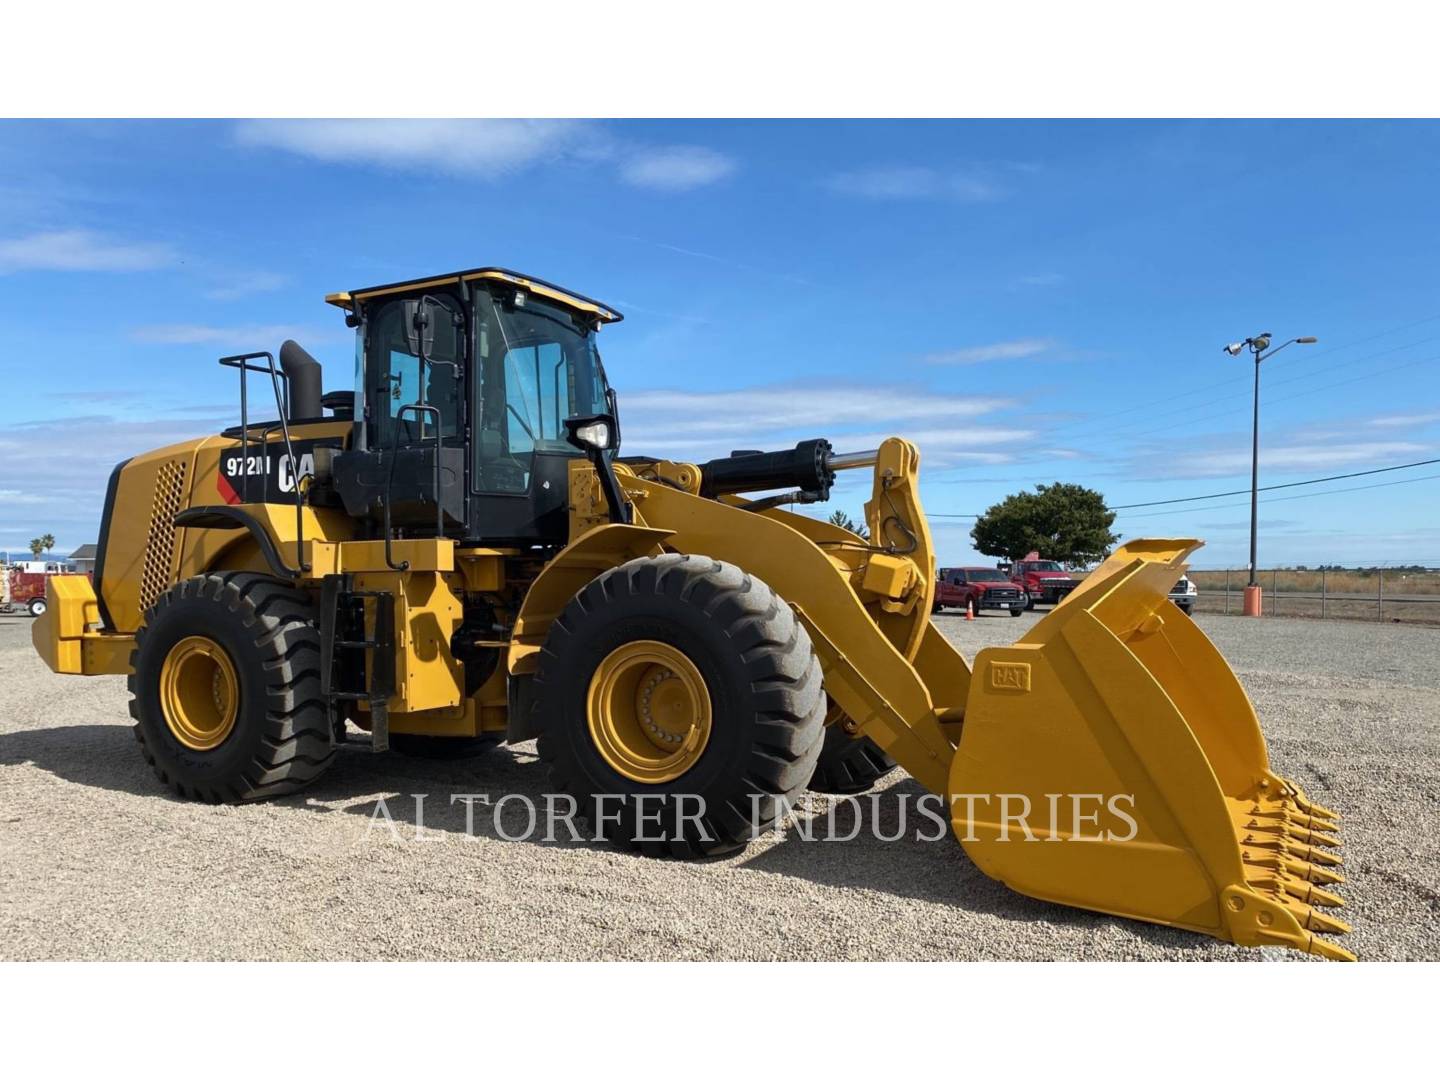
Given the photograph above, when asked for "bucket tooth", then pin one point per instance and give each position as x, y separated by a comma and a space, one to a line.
1292, 795
1315, 855
1294, 818
1330, 951
1317, 920
1308, 836
1311, 822
1311, 894
1324, 898
1302, 853
1315, 874
1315, 810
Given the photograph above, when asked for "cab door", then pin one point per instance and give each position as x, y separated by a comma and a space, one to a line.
412, 377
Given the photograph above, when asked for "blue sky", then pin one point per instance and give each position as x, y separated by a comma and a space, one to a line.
1029, 301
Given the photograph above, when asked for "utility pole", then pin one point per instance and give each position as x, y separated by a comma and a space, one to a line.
1259, 347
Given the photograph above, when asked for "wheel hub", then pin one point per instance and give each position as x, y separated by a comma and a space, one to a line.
199, 693
648, 711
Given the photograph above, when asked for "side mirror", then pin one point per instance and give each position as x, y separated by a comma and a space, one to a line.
1003, 567
421, 318
419, 330
592, 434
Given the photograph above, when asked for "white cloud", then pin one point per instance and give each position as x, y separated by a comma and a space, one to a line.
1406, 420
675, 168
693, 424
1000, 350
57, 469
241, 285
80, 249
914, 182
488, 149
1296, 458
241, 337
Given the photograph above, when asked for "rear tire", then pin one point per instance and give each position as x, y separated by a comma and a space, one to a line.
37, 607
258, 634
754, 676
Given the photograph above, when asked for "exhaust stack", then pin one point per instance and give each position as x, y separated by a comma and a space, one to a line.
303, 375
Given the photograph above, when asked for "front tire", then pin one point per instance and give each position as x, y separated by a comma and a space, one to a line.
848, 764
37, 606
225, 689
679, 701
1015, 612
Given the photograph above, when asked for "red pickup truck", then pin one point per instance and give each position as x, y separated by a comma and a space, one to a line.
986, 589
1044, 580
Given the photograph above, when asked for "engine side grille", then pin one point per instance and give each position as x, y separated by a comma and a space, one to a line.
160, 545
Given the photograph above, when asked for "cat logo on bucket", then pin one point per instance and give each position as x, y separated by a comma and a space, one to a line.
1009, 676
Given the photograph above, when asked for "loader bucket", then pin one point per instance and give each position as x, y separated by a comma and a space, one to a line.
1111, 760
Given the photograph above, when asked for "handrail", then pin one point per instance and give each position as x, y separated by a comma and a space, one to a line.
282, 404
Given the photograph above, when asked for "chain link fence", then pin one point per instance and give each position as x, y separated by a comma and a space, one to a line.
1378, 594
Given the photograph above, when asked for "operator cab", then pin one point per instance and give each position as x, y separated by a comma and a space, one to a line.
463, 386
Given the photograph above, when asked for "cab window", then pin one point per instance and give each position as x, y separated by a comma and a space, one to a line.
537, 366
399, 381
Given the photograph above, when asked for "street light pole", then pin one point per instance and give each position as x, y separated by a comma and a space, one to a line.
1259, 347
1254, 477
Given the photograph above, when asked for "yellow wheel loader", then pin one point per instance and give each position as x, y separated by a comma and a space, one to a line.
455, 552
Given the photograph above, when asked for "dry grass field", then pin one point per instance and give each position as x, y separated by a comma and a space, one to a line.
1381, 595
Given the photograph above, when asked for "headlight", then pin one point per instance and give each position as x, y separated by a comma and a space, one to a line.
592, 432
596, 435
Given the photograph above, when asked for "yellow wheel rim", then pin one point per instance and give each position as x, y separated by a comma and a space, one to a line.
199, 693
649, 712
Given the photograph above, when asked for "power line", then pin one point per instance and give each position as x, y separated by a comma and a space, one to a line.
1290, 498
1267, 487
1277, 487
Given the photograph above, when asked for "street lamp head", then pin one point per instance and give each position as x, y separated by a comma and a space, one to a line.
1306, 340
1235, 348
1260, 342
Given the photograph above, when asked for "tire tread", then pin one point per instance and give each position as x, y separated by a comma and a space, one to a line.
295, 745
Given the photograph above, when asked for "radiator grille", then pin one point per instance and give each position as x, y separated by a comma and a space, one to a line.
160, 544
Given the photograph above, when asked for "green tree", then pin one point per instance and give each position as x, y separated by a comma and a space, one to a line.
1065, 522
845, 521
41, 544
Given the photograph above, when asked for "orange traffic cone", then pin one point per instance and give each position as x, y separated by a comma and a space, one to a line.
969, 610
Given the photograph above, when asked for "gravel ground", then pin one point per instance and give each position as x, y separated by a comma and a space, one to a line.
97, 862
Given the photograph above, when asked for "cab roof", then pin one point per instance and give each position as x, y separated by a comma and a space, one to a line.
539, 287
